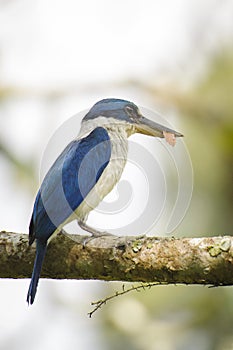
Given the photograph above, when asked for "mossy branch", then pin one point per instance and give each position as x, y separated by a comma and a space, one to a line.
206, 260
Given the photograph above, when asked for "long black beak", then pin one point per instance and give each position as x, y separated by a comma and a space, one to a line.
148, 127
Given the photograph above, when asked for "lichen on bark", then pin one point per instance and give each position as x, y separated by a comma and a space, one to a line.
205, 260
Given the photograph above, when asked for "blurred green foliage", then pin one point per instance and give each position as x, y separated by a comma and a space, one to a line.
207, 111
191, 317
23, 171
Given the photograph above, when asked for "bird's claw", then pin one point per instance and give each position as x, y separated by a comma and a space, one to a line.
94, 236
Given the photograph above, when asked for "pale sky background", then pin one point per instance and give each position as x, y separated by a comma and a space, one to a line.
83, 48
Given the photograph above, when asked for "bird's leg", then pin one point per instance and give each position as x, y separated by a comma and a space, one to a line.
93, 231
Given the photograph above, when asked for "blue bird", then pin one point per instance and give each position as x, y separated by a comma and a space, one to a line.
85, 172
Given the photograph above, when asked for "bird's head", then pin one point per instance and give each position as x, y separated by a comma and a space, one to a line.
125, 113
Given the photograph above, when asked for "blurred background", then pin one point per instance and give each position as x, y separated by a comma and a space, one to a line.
60, 57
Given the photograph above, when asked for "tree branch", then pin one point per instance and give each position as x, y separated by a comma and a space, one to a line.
207, 260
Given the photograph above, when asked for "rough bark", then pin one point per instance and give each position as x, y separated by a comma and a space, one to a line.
207, 260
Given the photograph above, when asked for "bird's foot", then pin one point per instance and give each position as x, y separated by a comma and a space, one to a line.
94, 233
94, 236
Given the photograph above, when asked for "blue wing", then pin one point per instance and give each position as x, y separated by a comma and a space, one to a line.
69, 180
65, 186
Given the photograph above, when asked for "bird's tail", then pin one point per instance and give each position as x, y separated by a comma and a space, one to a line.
40, 253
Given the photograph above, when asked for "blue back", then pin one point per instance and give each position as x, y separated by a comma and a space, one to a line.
67, 183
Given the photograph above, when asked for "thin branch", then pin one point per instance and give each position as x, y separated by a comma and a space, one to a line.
98, 304
206, 260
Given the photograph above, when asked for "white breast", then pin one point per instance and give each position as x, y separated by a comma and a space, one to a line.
118, 134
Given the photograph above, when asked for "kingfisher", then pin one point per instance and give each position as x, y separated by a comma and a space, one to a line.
85, 172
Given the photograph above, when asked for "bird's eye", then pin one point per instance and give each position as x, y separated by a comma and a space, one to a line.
133, 113
130, 111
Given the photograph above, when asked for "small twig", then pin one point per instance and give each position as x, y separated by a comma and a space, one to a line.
98, 304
